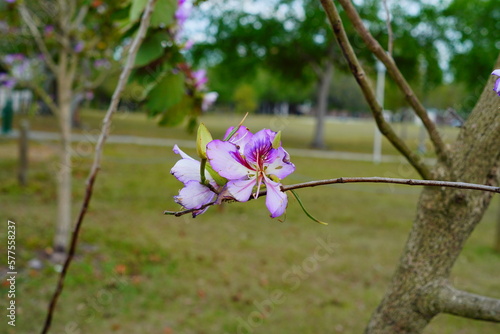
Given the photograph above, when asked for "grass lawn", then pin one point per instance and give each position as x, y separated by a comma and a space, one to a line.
233, 269
341, 135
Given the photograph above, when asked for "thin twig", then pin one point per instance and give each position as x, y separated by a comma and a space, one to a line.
360, 76
408, 182
98, 155
28, 20
396, 75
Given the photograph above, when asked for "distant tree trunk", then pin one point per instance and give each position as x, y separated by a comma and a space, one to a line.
324, 81
64, 90
23, 153
445, 219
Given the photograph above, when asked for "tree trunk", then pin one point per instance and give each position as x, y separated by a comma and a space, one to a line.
64, 82
323, 89
445, 219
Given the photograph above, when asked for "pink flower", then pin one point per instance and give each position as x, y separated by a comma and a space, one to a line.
208, 100
251, 163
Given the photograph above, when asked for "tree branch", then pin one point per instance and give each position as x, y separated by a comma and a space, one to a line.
443, 298
80, 17
98, 154
360, 76
398, 78
28, 20
408, 182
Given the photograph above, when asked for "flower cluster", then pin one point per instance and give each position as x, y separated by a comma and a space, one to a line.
235, 168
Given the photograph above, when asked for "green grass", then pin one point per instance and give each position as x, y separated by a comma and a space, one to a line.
138, 271
349, 136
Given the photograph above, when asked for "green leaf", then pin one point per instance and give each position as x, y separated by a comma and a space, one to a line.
137, 9
164, 12
305, 210
176, 114
167, 93
277, 140
151, 49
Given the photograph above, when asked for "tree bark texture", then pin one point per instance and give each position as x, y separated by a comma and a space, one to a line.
445, 219
324, 82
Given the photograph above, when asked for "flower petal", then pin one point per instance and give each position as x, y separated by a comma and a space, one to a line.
177, 150
186, 170
496, 87
276, 200
261, 147
240, 138
241, 190
496, 72
281, 166
227, 161
194, 195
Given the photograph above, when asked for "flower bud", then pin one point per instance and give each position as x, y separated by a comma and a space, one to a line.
202, 139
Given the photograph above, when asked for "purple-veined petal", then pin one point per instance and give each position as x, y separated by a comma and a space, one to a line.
281, 166
194, 195
241, 190
227, 161
496, 72
240, 138
276, 200
177, 150
260, 148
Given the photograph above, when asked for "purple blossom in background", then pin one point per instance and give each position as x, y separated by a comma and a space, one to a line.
79, 47
102, 63
10, 1
496, 87
200, 79
12, 58
183, 12
208, 100
188, 45
48, 30
89, 95
251, 162
7, 81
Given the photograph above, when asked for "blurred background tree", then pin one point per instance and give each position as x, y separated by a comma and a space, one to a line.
288, 43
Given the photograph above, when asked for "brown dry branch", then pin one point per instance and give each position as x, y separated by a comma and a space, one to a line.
360, 76
396, 75
409, 182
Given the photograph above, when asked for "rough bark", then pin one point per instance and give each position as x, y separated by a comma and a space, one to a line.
445, 219
325, 79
